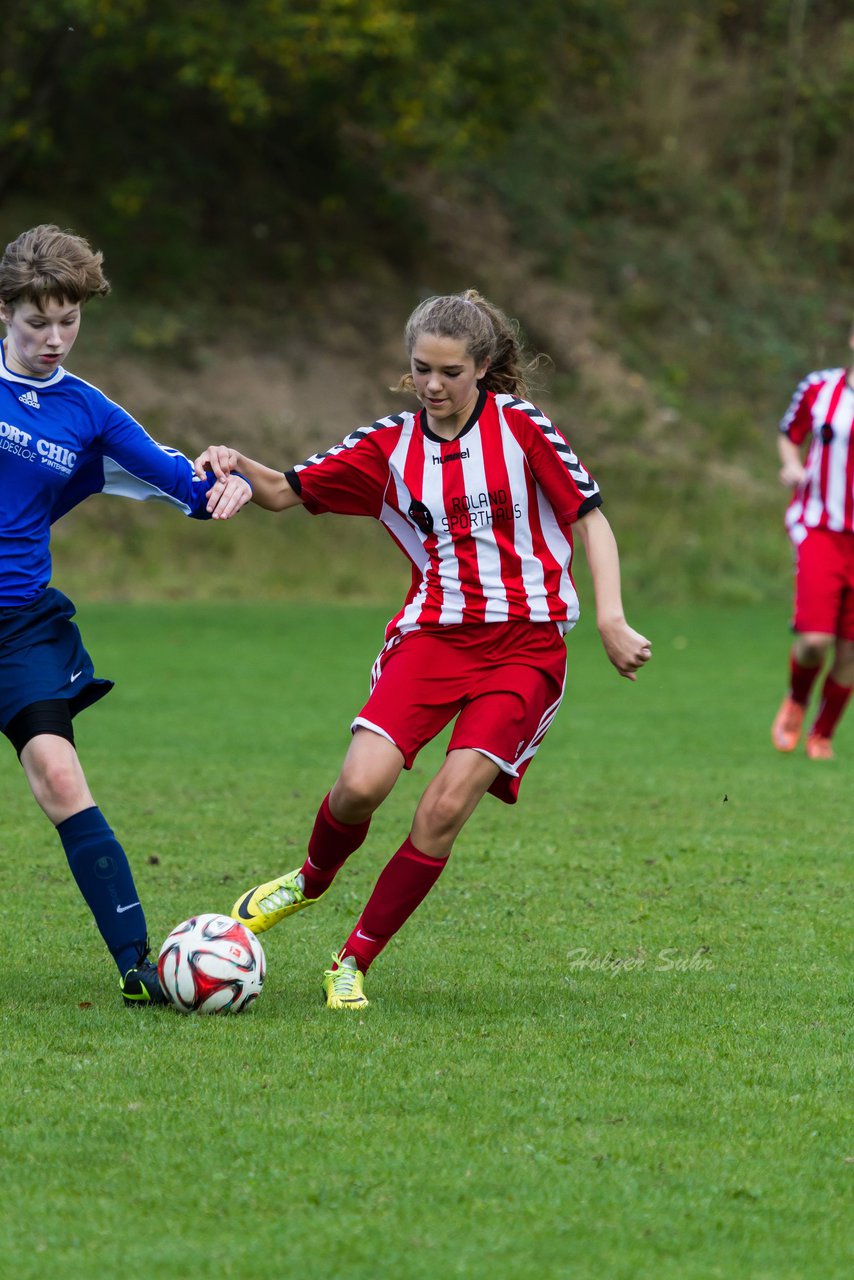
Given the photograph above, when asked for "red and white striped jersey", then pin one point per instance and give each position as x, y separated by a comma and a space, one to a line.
486, 519
822, 410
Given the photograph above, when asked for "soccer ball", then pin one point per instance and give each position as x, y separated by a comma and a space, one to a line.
211, 964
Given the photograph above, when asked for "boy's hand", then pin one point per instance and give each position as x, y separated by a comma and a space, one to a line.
226, 497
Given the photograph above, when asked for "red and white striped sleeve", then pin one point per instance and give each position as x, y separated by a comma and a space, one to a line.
797, 421
350, 478
569, 487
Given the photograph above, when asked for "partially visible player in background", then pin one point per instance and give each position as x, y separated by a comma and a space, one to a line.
820, 521
483, 495
61, 440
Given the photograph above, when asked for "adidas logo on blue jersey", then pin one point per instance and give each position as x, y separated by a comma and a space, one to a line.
30, 398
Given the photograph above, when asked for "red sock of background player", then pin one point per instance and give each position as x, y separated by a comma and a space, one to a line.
801, 680
834, 699
329, 847
402, 886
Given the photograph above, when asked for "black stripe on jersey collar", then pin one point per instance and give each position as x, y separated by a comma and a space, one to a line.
475, 414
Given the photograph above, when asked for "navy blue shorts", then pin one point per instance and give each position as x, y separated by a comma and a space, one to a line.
42, 658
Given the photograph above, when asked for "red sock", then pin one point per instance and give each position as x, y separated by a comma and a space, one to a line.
329, 847
402, 886
834, 699
801, 680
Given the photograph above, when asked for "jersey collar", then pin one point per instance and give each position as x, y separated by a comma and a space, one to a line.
475, 414
7, 375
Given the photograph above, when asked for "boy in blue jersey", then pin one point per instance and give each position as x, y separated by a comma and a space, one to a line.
62, 440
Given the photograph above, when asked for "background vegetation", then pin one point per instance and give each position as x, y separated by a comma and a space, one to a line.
661, 193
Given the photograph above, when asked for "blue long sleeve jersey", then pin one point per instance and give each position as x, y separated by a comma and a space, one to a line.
61, 440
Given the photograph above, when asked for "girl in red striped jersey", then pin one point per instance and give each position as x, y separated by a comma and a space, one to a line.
820, 520
483, 495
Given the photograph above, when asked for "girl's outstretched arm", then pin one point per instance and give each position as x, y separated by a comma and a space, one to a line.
792, 469
627, 649
270, 489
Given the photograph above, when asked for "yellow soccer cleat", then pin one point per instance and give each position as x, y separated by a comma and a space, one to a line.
267, 904
343, 984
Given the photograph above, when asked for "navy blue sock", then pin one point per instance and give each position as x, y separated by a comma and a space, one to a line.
100, 867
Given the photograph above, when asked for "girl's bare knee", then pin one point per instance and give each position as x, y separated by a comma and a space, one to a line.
811, 647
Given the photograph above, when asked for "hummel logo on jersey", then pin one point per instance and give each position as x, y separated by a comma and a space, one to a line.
30, 398
439, 459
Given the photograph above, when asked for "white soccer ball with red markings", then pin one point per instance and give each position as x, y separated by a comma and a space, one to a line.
211, 964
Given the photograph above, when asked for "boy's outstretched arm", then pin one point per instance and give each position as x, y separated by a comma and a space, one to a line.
270, 489
627, 649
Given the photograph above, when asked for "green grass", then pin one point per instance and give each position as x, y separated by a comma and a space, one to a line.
610, 1044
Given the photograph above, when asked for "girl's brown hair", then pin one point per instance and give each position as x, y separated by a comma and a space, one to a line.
487, 332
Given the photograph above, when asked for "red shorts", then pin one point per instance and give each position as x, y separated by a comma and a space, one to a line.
502, 680
824, 584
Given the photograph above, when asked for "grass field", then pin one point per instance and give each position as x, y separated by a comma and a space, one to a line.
610, 1044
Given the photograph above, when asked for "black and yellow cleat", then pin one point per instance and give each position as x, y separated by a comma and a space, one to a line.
141, 985
267, 904
343, 984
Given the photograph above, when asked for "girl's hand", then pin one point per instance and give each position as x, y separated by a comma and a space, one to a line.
627, 649
792, 474
219, 459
